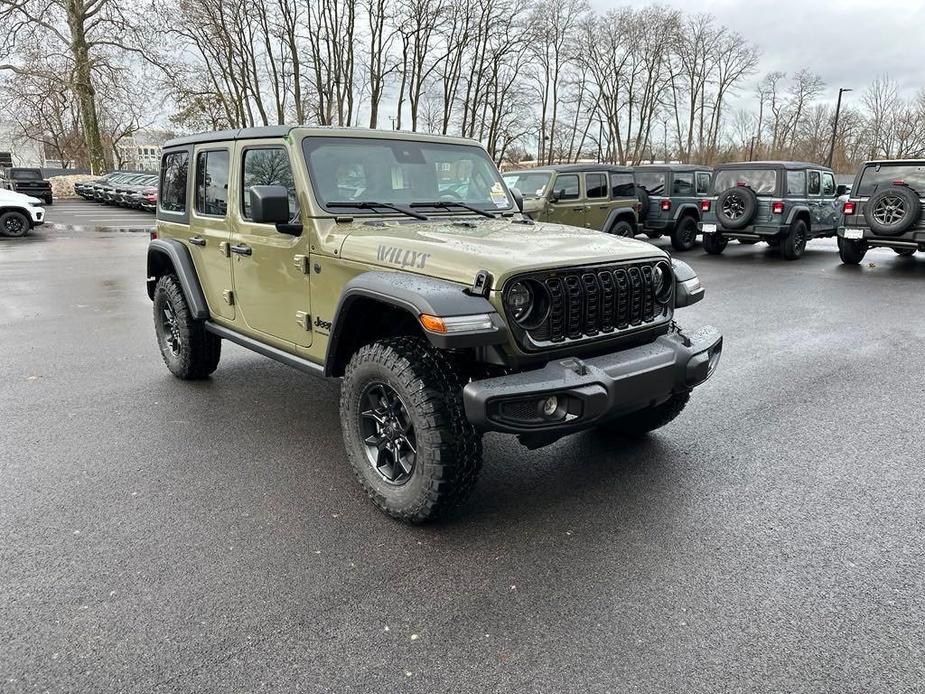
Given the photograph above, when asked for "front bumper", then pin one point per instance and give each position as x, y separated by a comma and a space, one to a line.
588, 391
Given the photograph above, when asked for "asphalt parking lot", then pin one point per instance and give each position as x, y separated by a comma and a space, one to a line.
85, 214
161, 536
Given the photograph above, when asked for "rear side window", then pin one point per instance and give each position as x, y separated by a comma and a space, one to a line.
174, 170
596, 184
212, 183
880, 176
567, 187
796, 183
682, 184
828, 184
815, 184
703, 183
652, 182
622, 185
267, 166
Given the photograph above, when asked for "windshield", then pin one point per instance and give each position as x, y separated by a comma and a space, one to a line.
652, 181
530, 183
880, 176
401, 172
25, 175
761, 181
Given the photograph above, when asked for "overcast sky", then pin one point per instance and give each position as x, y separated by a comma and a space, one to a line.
848, 42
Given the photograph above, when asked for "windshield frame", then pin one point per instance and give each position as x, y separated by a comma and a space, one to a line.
306, 151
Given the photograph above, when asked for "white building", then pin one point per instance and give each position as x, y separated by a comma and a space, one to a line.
23, 152
142, 152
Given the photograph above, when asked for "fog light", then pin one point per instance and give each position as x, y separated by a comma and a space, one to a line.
550, 405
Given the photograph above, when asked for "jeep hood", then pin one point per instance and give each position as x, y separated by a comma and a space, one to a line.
456, 249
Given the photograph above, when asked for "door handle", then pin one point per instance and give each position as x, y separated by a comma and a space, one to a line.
197, 241
242, 249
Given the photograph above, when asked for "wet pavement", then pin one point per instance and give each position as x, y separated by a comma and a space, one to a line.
85, 215
160, 536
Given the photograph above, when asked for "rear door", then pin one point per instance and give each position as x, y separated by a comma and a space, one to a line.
814, 196
598, 196
209, 234
269, 268
566, 205
828, 203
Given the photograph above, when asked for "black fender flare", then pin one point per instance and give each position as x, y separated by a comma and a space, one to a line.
415, 295
687, 208
797, 210
170, 253
618, 212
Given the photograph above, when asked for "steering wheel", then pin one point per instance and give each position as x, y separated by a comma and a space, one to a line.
451, 195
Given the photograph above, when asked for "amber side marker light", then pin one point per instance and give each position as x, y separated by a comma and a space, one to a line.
456, 324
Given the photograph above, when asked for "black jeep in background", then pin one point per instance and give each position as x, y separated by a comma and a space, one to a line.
783, 203
670, 196
884, 210
26, 181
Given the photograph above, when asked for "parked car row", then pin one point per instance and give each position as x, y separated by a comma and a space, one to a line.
124, 188
781, 203
26, 181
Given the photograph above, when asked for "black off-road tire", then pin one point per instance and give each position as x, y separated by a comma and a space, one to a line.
49, 201
793, 245
714, 244
684, 235
746, 199
904, 198
642, 195
198, 351
851, 251
621, 227
904, 252
640, 423
14, 224
448, 449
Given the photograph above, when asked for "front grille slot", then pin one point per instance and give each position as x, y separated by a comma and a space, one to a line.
589, 302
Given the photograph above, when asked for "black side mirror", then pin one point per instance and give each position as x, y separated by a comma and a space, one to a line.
518, 198
269, 204
553, 196
841, 189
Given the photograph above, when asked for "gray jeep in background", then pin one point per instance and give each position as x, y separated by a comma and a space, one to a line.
782, 203
670, 197
884, 210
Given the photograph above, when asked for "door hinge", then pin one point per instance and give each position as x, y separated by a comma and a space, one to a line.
303, 319
301, 262
225, 249
228, 296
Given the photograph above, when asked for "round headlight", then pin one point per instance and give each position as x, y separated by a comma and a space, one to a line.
661, 275
519, 300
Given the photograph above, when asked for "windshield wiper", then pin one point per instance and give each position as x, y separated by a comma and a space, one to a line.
370, 205
447, 204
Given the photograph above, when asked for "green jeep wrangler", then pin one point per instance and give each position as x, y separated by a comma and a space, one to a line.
885, 209
594, 196
401, 264
670, 197
783, 203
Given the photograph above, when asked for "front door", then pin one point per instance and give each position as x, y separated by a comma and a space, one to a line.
598, 194
270, 268
209, 236
566, 205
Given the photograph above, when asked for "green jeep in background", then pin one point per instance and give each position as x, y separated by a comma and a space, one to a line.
670, 196
783, 203
400, 263
593, 196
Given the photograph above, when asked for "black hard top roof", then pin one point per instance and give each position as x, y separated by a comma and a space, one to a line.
239, 134
791, 165
894, 162
576, 168
681, 168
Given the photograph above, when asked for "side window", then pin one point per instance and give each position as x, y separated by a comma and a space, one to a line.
212, 183
267, 166
682, 184
796, 183
174, 169
622, 185
567, 187
814, 182
703, 182
596, 185
828, 184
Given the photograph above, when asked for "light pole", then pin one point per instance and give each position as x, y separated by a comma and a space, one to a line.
835, 125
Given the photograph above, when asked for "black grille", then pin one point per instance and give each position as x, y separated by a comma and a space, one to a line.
592, 302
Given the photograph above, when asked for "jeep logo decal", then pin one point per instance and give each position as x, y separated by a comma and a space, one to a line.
322, 324
402, 257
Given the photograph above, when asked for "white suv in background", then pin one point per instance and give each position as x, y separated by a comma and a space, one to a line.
19, 213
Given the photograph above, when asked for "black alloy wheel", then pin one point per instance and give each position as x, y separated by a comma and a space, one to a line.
388, 433
14, 224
